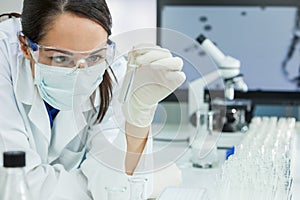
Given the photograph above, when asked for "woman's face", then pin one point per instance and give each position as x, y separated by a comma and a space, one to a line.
73, 33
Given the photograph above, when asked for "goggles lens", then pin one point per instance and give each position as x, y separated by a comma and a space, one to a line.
71, 59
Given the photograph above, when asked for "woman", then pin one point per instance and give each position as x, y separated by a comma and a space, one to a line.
56, 88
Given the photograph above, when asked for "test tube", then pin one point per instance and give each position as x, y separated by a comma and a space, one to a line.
261, 167
128, 82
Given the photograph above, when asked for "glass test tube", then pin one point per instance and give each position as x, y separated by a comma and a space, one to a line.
137, 188
115, 193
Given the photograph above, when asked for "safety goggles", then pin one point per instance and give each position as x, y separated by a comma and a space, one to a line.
53, 56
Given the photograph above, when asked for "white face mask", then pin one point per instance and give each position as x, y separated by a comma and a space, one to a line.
64, 90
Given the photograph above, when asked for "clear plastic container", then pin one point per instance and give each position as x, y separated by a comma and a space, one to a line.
14, 184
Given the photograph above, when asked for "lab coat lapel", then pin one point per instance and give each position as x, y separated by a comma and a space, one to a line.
67, 126
27, 93
39, 117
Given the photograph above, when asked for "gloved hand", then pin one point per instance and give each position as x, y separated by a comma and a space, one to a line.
157, 75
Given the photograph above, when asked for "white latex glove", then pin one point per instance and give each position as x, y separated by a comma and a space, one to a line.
157, 75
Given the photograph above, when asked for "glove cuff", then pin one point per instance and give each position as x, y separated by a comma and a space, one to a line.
138, 113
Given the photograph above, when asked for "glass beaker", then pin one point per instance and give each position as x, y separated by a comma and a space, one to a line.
137, 188
204, 148
115, 193
204, 151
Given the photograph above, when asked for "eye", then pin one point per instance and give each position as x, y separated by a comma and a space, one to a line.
60, 59
94, 59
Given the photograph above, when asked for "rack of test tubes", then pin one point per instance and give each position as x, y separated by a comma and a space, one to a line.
261, 165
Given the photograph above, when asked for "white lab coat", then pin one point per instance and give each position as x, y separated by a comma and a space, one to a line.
53, 155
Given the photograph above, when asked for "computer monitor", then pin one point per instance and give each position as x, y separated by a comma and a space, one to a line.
263, 34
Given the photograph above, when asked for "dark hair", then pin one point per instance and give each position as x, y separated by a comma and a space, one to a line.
37, 17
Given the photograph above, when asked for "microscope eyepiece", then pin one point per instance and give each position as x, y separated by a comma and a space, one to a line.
201, 38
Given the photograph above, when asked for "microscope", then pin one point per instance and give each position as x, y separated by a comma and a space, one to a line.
232, 112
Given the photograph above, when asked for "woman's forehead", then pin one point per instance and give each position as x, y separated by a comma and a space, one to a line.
69, 31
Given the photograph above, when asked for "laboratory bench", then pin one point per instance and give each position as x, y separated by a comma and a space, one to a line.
206, 178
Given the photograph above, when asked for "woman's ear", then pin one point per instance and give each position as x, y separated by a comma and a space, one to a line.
24, 47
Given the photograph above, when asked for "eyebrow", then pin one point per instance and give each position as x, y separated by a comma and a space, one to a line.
70, 53
98, 50
59, 50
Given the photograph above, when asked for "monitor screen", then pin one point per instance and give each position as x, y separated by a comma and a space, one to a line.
263, 35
